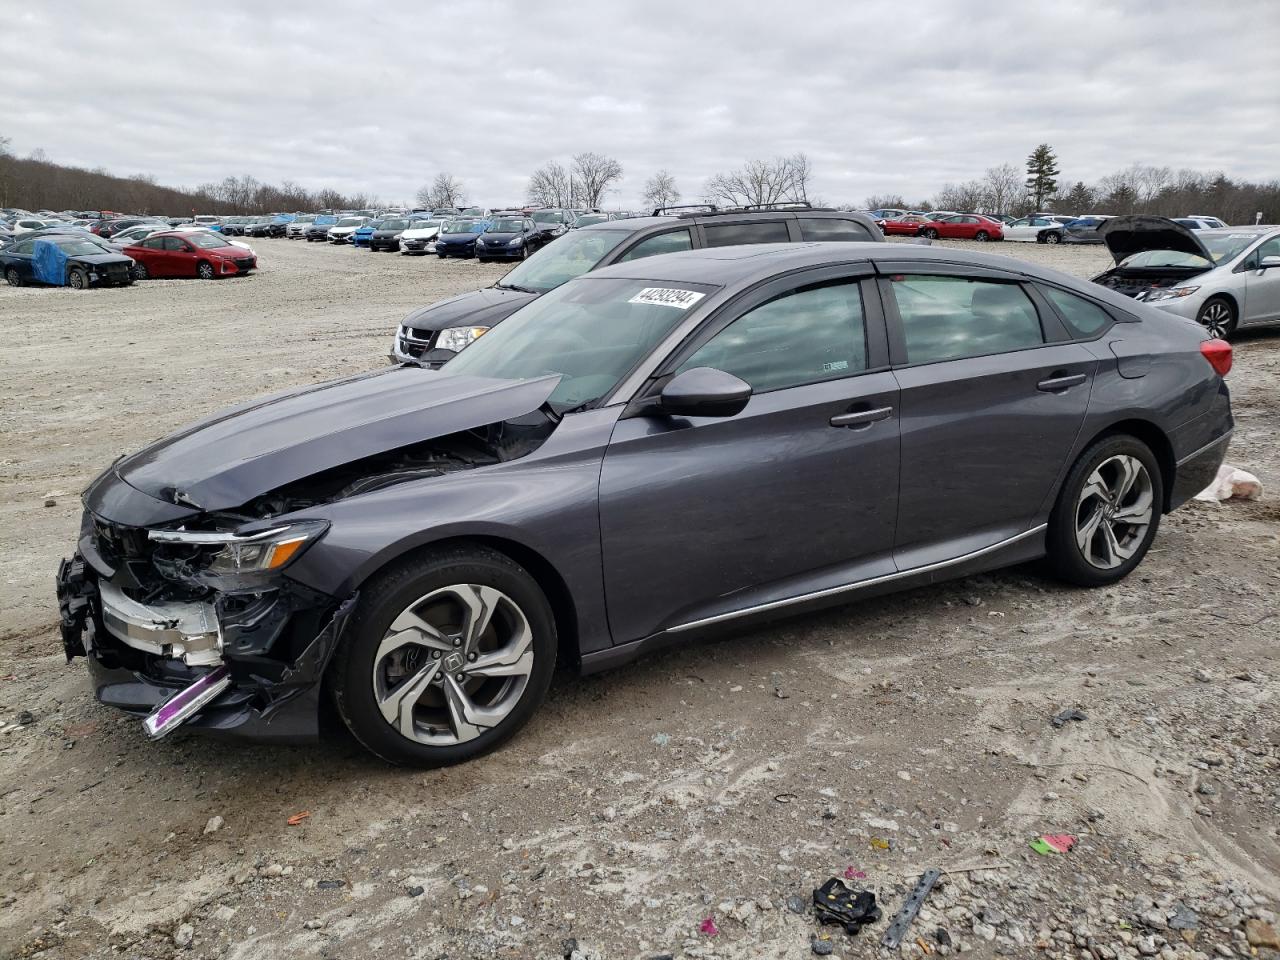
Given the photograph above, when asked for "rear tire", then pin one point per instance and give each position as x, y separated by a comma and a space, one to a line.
1218, 317
427, 728
140, 271
1052, 238
1107, 513
982, 236
12, 277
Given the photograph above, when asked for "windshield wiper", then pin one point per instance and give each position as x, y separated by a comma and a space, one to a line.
516, 287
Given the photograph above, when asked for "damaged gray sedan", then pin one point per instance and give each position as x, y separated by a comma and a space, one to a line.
646, 453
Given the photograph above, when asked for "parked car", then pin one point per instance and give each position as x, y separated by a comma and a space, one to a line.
1223, 279
1197, 223
189, 253
511, 238
889, 213
939, 214
361, 537
432, 334
591, 219
387, 236
1034, 230
317, 231
364, 234
554, 222
1213, 222
132, 235
457, 238
964, 226
61, 260
294, 231
25, 225
905, 225
345, 228
1083, 230
420, 237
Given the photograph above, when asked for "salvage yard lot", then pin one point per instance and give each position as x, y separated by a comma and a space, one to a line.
717, 781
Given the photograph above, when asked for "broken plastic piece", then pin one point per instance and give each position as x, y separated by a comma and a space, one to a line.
1066, 716
879, 843
708, 926
853, 873
1053, 843
834, 902
297, 818
186, 703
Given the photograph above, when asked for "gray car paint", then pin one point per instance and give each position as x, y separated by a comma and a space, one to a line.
641, 527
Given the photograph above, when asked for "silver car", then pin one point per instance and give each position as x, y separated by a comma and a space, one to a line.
1224, 279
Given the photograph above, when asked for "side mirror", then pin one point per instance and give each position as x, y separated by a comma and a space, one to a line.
1268, 263
704, 392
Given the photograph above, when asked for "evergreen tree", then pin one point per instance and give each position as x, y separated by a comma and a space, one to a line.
1042, 174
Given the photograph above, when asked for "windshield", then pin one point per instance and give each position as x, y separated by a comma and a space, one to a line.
591, 332
506, 226
462, 226
588, 219
350, 222
394, 224
78, 248
207, 241
560, 261
473, 212
424, 224
548, 216
1227, 246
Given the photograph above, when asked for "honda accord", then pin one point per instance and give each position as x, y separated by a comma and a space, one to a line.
640, 455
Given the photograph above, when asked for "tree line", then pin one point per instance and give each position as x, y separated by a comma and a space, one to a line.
588, 179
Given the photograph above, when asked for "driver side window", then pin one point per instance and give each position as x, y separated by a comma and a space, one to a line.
808, 336
672, 242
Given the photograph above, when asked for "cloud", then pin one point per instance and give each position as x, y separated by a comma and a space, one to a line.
379, 98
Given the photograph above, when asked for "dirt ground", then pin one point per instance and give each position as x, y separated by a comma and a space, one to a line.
721, 783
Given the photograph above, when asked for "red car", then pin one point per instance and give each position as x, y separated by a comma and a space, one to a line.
963, 226
189, 253
907, 225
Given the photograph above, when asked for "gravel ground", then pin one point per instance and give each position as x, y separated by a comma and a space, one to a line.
722, 782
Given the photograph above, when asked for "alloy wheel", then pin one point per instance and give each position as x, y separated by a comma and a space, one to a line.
1114, 511
204, 271
453, 664
1052, 238
981, 236
1216, 319
11, 277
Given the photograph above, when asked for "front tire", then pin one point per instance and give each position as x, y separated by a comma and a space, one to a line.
204, 270
1107, 513
446, 656
1218, 317
78, 280
12, 277
930, 234
1053, 238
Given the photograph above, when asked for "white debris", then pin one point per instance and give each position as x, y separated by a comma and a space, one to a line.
1232, 483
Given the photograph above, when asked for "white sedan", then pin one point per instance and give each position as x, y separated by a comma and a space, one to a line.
1034, 230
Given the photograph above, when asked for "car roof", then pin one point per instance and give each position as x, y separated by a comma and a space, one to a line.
1258, 229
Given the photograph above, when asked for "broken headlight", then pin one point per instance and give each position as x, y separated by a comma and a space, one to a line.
455, 338
230, 561
1171, 293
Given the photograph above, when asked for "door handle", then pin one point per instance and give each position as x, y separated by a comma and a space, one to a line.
1061, 382
861, 418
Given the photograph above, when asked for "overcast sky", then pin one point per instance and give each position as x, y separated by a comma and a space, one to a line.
884, 97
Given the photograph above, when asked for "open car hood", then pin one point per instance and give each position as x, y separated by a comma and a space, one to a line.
1125, 236
226, 460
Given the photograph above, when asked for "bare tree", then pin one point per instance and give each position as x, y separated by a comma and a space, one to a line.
660, 190
1003, 188
962, 196
758, 182
445, 191
884, 201
551, 185
593, 175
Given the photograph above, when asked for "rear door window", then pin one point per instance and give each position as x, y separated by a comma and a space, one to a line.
831, 228
730, 234
173, 244
672, 242
948, 318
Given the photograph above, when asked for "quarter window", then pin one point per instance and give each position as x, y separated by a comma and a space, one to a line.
730, 234
671, 242
1083, 318
947, 318
804, 337
831, 228
173, 243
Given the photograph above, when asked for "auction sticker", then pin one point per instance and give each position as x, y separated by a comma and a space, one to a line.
668, 297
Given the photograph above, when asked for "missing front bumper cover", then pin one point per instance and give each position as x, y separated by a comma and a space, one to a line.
183, 630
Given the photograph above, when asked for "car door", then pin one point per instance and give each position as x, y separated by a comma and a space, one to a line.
1019, 230
20, 258
179, 258
1262, 289
707, 517
993, 397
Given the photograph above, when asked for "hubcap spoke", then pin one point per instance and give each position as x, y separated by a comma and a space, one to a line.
1086, 531
479, 603
1137, 513
397, 706
411, 628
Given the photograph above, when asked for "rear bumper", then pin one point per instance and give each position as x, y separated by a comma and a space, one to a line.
1197, 470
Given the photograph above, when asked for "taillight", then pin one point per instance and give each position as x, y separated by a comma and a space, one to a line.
1218, 353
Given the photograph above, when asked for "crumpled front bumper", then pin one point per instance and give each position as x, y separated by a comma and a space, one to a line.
271, 697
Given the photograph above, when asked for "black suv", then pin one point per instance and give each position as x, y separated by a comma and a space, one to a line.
431, 335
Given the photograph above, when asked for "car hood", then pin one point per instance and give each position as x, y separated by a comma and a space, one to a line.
387, 233
457, 237
503, 237
228, 459
426, 233
477, 308
1125, 236
99, 259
